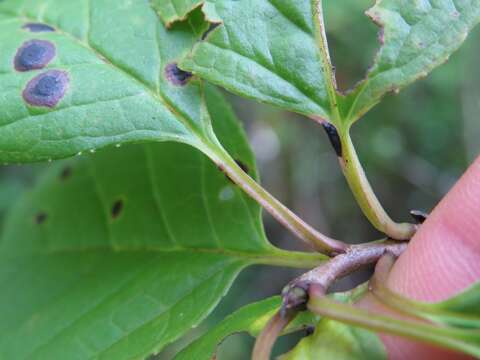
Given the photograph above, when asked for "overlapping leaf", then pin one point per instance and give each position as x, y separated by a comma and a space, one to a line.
251, 319
416, 37
265, 50
114, 255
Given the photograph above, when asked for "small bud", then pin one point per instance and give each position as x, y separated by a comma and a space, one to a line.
419, 216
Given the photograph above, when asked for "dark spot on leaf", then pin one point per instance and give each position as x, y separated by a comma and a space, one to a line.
40, 218
34, 55
334, 138
66, 173
209, 30
419, 216
243, 166
38, 27
46, 89
177, 76
117, 208
309, 330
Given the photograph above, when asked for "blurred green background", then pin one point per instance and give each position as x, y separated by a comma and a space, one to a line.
413, 145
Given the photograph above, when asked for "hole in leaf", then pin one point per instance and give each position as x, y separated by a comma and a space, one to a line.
117, 209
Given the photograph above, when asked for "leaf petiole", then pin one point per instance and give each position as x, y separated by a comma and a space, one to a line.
349, 161
365, 196
280, 212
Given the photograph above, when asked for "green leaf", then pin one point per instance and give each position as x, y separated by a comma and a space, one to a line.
114, 56
461, 339
264, 50
174, 10
467, 302
333, 340
251, 319
115, 255
416, 37
460, 311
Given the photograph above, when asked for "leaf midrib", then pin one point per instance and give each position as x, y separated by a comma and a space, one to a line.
269, 255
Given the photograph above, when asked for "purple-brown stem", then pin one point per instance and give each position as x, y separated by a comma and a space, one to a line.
321, 278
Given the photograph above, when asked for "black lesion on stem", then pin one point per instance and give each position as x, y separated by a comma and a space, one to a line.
333, 137
242, 166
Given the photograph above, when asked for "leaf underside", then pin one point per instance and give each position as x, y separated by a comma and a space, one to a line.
116, 254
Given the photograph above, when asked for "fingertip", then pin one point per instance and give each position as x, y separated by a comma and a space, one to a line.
443, 257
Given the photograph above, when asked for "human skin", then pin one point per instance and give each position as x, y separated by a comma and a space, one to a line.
442, 259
